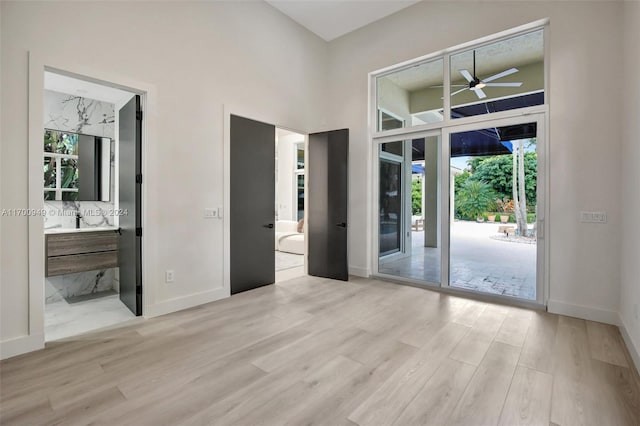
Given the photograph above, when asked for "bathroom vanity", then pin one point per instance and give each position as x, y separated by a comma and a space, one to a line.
69, 251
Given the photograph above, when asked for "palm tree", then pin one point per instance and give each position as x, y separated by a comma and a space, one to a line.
474, 198
518, 187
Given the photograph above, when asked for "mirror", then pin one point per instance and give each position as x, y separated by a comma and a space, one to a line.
77, 167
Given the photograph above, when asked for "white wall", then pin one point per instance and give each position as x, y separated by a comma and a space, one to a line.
630, 255
585, 40
198, 56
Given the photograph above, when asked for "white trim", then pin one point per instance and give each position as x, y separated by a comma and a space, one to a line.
390, 114
543, 246
39, 62
376, 155
632, 347
535, 109
479, 42
21, 345
185, 302
359, 271
590, 313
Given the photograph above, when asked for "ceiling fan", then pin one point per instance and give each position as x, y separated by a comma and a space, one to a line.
477, 85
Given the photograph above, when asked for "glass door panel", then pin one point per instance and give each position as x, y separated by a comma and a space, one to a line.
409, 209
492, 232
390, 206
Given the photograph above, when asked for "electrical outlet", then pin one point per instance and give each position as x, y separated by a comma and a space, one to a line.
210, 213
169, 276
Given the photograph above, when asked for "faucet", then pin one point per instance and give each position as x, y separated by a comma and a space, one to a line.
78, 217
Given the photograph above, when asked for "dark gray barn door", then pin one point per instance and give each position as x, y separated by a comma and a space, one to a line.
130, 175
328, 198
252, 218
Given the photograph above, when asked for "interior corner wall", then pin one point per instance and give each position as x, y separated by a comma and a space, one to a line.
585, 135
245, 54
630, 182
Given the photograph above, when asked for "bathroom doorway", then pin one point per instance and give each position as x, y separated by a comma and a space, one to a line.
92, 188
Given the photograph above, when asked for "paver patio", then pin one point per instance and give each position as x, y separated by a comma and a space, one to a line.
477, 261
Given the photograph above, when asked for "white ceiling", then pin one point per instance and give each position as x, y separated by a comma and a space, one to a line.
331, 19
76, 87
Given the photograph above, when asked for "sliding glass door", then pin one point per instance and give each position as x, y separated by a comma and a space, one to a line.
494, 199
409, 216
464, 208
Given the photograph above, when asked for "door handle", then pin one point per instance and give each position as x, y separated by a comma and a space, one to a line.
341, 224
268, 225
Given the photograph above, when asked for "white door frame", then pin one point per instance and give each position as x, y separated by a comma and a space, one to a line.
243, 111
39, 62
542, 246
375, 226
516, 117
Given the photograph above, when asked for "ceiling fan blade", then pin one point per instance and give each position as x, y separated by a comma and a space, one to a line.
480, 93
458, 91
500, 75
504, 84
453, 85
467, 75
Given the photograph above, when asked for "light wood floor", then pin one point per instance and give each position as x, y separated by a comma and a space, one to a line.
311, 351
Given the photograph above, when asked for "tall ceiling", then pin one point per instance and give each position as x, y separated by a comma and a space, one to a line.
331, 19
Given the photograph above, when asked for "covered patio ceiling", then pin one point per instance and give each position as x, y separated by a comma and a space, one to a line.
488, 141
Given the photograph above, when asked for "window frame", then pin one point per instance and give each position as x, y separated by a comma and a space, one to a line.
445, 56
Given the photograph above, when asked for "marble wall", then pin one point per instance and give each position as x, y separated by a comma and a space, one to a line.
80, 284
93, 214
90, 117
78, 115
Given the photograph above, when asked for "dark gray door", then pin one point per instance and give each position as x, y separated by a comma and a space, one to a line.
328, 198
252, 218
130, 246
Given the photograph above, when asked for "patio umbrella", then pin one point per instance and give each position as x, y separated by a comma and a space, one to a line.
417, 169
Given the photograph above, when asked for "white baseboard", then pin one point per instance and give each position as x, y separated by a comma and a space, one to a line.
632, 347
21, 345
180, 303
358, 271
584, 312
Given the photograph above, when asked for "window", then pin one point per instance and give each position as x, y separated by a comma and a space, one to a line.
60, 166
500, 76
299, 181
411, 96
493, 76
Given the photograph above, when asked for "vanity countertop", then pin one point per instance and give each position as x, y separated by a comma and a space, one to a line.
75, 230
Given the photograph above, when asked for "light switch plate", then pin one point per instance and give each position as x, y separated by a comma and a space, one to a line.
593, 217
210, 213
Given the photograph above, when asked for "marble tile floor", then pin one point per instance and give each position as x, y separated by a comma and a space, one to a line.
477, 262
64, 319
